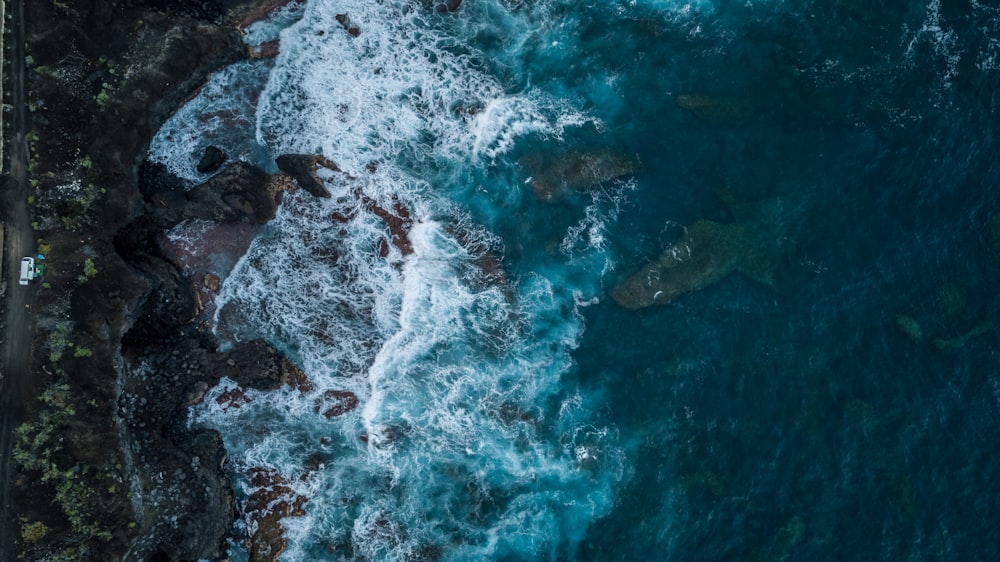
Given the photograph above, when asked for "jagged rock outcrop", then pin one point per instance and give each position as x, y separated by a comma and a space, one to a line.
303, 168
106, 75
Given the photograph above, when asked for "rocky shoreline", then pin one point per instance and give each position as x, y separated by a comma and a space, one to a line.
108, 468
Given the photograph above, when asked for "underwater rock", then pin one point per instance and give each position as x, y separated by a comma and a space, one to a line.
211, 160
717, 110
705, 255
755, 245
449, 6
992, 233
909, 326
951, 344
557, 176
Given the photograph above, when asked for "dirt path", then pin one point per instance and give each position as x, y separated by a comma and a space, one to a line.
16, 388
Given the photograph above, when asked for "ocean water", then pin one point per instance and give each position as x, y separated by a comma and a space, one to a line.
833, 394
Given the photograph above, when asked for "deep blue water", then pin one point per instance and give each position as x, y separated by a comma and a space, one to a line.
847, 410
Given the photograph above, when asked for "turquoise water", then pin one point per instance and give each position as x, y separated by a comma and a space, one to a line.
834, 396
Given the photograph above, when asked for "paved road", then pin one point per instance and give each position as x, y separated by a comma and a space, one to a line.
15, 358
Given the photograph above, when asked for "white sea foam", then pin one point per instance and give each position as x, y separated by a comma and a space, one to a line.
941, 39
465, 442
270, 28
223, 114
402, 90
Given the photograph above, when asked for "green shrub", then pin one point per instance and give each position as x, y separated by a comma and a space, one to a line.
34, 531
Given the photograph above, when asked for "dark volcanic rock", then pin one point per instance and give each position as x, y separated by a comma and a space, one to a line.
170, 303
115, 71
187, 502
211, 160
302, 167
240, 193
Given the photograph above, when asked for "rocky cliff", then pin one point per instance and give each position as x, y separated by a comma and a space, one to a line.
109, 470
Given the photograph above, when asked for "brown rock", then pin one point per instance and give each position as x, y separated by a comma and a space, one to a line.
337, 403
261, 12
398, 220
343, 20
211, 282
233, 398
294, 377
267, 50
270, 501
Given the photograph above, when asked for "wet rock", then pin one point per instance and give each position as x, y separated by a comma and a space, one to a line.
211, 282
294, 377
345, 22
261, 11
240, 193
211, 160
717, 110
253, 364
302, 168
554, 176
235, 397
398, 220
267, 50
337, 403
270, 500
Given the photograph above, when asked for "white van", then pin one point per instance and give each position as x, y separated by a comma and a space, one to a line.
27, 270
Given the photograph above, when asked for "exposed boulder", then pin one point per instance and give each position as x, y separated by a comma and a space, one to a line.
240, 193
267, 50
302, 168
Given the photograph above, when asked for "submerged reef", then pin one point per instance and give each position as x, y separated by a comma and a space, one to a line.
757, 244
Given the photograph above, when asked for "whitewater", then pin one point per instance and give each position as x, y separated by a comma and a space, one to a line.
471, 438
